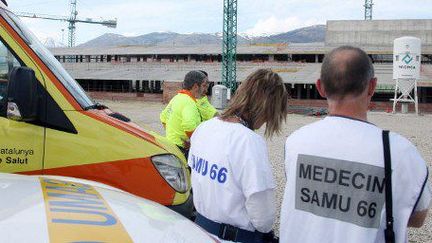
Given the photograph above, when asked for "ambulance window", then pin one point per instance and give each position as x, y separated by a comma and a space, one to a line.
53, 64
7, 62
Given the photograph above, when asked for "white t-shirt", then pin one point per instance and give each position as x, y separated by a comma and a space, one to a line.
229, 164
335, 183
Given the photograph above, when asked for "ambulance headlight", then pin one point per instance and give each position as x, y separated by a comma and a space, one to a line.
171, 169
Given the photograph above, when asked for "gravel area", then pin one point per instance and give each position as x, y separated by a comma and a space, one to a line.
418, 129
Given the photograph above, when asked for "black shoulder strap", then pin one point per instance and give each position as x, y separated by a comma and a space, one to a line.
388, 231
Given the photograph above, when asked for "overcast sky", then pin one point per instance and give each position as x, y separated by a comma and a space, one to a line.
255, 17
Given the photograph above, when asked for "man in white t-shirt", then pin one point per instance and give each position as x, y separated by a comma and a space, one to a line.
335, 167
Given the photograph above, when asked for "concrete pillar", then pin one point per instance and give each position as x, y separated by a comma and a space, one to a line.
308, 91
133, 85
271, 58
189, 58
136, 85
130, 86
316, 58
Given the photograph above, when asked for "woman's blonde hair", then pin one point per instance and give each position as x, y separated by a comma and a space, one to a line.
261, 98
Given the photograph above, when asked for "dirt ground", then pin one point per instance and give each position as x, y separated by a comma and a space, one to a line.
418, 129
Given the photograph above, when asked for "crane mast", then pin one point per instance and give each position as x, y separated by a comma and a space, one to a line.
368, 9
72, 20
229, 45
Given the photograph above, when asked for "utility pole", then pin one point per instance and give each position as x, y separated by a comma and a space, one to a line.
72, 20
229, 45
368, 9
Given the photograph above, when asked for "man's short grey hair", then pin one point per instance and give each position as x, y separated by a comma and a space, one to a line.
193, 77
345, 71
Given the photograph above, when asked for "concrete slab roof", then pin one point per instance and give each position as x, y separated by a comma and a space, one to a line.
261, 49
293, 73
313, 48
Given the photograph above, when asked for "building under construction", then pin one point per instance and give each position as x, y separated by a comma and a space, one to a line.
137, 70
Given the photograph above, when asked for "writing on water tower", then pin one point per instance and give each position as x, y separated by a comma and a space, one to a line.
406, 60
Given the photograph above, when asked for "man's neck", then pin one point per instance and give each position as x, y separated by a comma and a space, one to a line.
349, 107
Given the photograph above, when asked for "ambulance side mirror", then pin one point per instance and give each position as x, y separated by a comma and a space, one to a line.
22, 95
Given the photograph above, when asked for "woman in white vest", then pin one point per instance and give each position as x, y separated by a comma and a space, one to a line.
232, 179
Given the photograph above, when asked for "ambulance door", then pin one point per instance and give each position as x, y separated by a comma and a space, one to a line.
21, 143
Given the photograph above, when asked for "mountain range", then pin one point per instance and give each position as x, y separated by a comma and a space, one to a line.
309, 34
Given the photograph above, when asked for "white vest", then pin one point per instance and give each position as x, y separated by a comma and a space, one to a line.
335, 183
229, 163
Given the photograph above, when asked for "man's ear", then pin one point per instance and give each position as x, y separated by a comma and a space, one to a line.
195, 86
372, 86
320, 88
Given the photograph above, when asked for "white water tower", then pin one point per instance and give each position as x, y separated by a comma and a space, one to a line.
406, 71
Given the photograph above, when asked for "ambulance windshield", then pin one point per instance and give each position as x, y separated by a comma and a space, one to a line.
53, 64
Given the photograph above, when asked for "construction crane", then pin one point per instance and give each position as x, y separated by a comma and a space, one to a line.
72, 20
229, 45
368, 9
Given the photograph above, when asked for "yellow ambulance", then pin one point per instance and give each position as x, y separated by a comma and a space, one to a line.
49, 126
